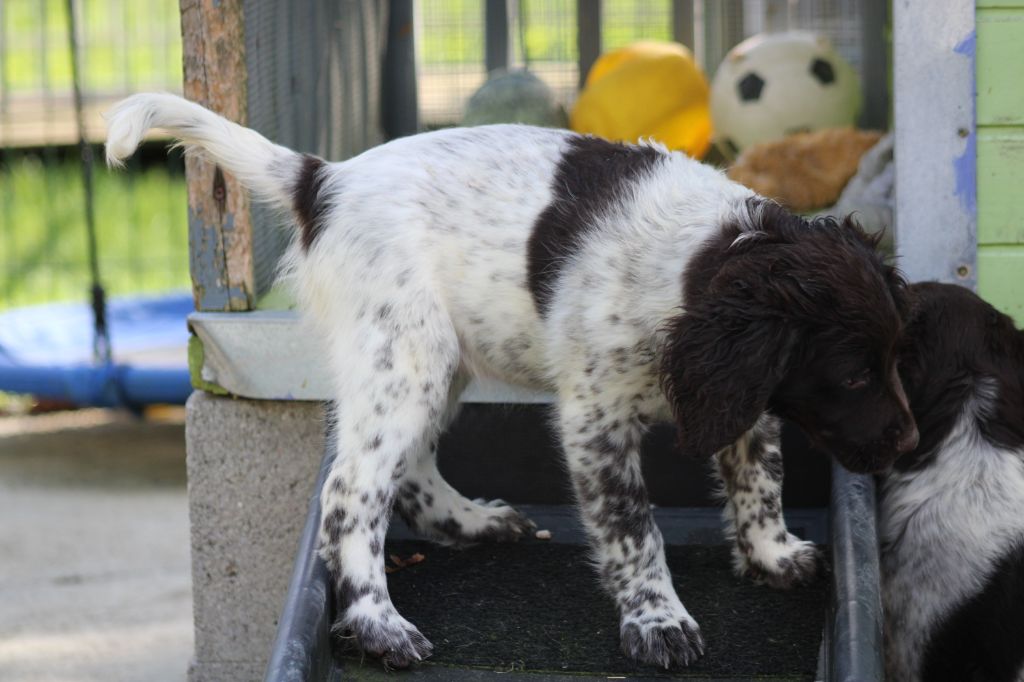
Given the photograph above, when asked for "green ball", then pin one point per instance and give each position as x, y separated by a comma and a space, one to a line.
514, 97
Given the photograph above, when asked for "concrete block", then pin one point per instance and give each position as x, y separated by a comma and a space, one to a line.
251, 469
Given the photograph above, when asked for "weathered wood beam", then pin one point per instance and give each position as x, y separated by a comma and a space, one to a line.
220, 223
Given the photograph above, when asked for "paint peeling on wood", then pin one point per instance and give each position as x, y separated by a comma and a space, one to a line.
965, 166
220, 223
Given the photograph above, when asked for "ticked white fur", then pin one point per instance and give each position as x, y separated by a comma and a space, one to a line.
943, 529
417, 279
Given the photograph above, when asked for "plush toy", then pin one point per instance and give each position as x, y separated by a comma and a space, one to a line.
805, 171
514, 97
773, 85
871, 193
647, 90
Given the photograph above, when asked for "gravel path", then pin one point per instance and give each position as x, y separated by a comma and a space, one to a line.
94, 560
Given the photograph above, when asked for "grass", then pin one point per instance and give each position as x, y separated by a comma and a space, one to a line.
125, 45
129, 45
141, 216
141, 223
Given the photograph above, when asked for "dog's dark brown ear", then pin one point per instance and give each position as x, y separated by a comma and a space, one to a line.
1006, 366
719, 369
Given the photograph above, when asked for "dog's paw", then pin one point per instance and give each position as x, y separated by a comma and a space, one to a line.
790, 564
504, 523
661, 642
394, 640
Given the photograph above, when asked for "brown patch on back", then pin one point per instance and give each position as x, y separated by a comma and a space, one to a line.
592, 175
306, 200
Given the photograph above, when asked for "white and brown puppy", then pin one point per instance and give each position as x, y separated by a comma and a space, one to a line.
952, 510
633, 283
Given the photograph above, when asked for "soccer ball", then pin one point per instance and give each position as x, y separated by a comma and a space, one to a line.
773, 85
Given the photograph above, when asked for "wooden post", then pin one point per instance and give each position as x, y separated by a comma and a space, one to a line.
682, 23
399, 101
588, 36
874, 67
723, 29
496, 43
220, 223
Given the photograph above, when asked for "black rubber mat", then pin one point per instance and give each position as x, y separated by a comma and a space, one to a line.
536, 606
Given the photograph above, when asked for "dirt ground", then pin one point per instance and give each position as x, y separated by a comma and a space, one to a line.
94, 558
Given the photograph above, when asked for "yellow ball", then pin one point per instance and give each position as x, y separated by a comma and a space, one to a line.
647, 90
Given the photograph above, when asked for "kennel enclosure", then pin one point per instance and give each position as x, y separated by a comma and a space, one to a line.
335, 78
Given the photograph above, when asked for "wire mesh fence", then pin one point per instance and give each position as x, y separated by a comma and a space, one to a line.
544, 36
450, 48
124, 46
133, 45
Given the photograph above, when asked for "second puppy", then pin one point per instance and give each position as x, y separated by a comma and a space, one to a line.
952, 510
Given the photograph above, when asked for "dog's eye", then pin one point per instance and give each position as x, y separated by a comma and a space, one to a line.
857, 381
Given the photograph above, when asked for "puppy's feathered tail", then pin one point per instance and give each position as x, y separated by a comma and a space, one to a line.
271, 172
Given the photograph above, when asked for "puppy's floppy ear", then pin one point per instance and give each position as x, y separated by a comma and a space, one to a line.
1005, 364
720, 367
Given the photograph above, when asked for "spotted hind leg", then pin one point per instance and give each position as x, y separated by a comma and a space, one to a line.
432, 507
389, 409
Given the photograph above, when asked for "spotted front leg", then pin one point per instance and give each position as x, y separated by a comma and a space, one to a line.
602, 449
751, 471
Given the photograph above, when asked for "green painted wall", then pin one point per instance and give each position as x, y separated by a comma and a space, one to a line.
1000, 63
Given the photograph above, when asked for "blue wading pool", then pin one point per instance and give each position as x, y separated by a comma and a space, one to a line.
47, 351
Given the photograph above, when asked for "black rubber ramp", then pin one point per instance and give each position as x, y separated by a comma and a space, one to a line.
536, 607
